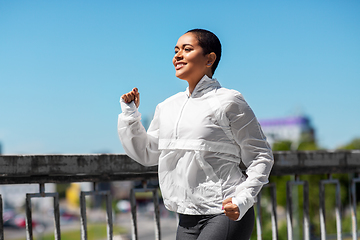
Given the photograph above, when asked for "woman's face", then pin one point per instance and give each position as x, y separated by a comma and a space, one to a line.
189, 60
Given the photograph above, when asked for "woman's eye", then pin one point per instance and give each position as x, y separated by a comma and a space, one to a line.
187, 49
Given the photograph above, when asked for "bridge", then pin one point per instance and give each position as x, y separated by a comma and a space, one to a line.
296, 165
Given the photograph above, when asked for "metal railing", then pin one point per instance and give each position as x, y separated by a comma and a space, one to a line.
41, 169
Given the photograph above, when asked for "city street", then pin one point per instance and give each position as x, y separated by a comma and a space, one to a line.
146, 226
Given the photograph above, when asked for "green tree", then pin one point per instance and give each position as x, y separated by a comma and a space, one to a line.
353, 145
306, 143
282, 146
308, 146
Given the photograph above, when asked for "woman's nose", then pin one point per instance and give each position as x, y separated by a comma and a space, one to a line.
178, 55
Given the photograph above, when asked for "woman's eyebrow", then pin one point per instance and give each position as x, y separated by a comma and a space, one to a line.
184, 45
187, 44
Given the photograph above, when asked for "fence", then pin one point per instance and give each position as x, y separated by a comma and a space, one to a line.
41, 169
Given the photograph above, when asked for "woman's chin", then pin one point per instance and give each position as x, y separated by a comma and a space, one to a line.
180, 76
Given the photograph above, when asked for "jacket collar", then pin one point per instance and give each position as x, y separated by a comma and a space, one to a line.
205, 85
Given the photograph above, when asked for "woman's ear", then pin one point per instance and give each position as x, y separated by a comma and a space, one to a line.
211, 58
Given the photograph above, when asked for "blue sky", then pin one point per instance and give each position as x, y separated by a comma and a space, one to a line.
65, 64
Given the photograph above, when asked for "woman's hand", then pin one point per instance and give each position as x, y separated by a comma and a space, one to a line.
231, 210
134, 95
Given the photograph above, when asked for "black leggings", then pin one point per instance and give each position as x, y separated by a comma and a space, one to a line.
215, 227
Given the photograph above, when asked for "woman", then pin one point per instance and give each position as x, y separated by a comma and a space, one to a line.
198, 138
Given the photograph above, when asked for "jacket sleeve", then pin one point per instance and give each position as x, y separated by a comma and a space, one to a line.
256, 153
140, 145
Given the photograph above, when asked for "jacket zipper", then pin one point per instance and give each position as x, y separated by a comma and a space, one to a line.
178, 120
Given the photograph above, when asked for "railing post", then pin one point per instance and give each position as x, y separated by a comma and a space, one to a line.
273, 211
337, 207
156, 214
1, 219
289, 207
353, 207
306, 211
289, 211
274, 228
109, 217
83, 220
57, 217
258, 218
42, 194
29, 229
133, 215
156, 210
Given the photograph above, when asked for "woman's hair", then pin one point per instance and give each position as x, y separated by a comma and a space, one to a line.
209, 42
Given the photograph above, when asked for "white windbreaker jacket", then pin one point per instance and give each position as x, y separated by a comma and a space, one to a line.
198, 141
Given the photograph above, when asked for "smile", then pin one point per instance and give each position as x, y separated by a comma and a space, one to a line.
179, 65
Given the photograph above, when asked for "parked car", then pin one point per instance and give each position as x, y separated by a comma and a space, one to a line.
12, 219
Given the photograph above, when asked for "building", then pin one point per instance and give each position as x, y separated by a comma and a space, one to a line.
294, 129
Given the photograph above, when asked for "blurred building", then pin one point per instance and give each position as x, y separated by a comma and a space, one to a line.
14, 195
295, 129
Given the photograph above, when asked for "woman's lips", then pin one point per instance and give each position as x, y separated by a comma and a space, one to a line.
179, 65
